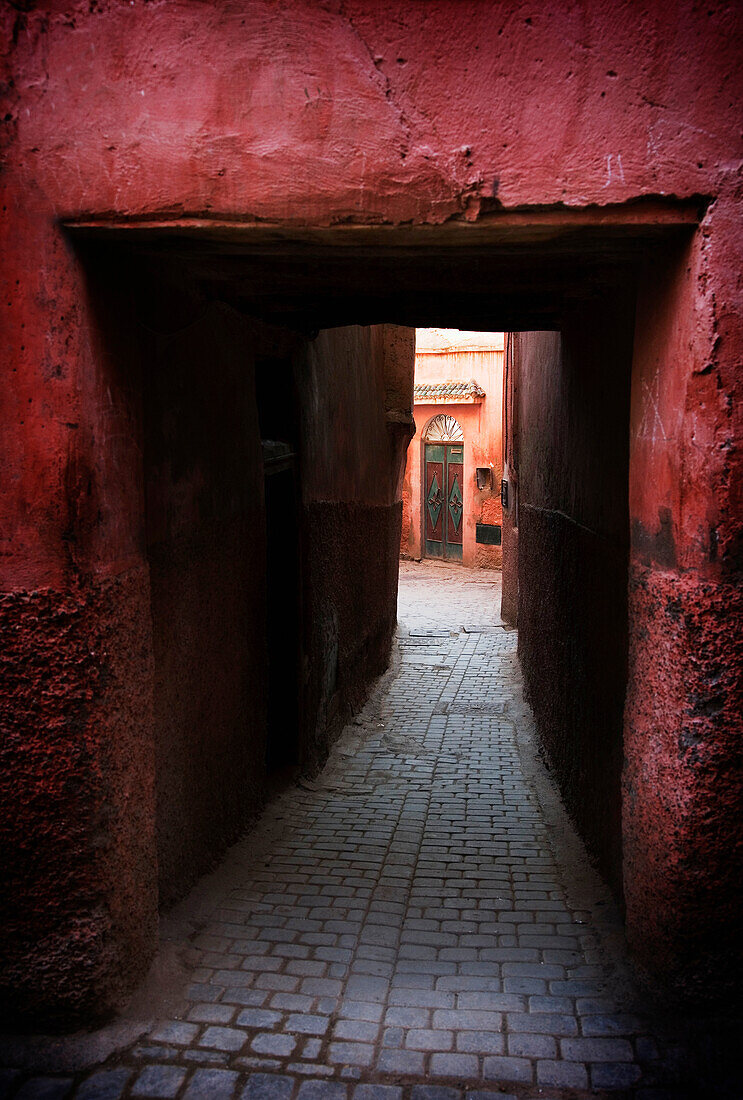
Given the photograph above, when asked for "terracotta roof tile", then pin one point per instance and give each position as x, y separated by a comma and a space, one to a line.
461, 391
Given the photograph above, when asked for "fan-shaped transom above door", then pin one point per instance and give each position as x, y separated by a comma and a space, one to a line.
444, 429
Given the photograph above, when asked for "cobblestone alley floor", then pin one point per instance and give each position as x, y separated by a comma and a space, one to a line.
419, 921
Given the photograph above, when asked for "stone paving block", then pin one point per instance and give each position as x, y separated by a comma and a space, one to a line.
366, 988
614, 1075
377, 1092
408, 1062
177, 1032
489, 1001
498, 1068
223, 1038
212, 1013
256, 964
428, 1039
421, 998
564, 1074
232, 978
45, 1088
267, 1086
155, 1053
620, 1023
107, 1084
434, 1092
258, 1017
325, 987
211, 1084
256, 1063
159, 1081
241, 995
468, 1019
356, 1030
454, 1065
272, 1043
204, 991
322, 1090
206, 1057
532, 1046
597, 1050
480, 1042
552, 1005
355, 1054
542, 1022
361, 1010
525, 985
283, 983
393, 1037
469, 983
482, 1094
291, 1002
307, 1024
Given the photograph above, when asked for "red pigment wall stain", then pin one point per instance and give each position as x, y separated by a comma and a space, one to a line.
79, 910
682, 780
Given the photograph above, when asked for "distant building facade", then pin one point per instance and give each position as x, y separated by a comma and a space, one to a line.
451, 493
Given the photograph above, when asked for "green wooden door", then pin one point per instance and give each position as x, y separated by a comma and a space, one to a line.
444, 500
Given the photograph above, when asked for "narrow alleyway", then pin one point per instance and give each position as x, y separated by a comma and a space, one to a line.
421, 915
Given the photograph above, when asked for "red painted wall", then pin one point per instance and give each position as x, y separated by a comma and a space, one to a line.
571, 452
359, 381
481, 423
374, 113
683, 772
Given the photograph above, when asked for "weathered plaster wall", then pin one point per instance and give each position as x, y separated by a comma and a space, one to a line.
572, 452
79, 907
360, 381
319, 115
683, 772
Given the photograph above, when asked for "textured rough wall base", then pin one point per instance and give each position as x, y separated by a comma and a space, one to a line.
352, 610
683, 779
488, 557
77, 801
509, 607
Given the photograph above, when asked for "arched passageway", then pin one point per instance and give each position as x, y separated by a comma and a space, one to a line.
219, 222
588, 458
